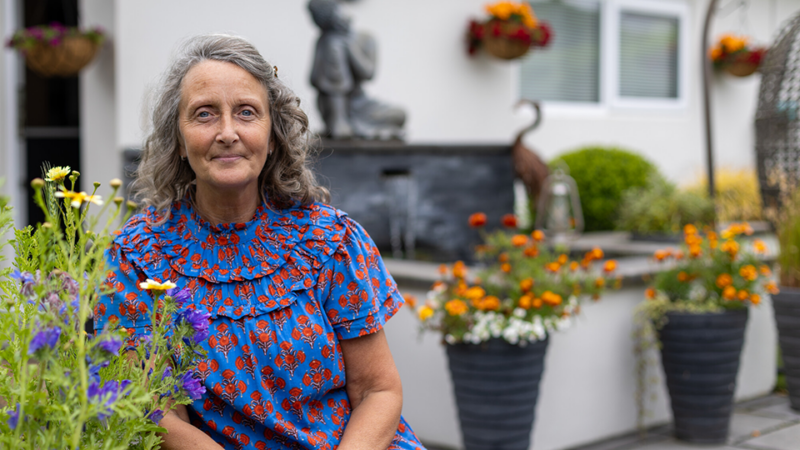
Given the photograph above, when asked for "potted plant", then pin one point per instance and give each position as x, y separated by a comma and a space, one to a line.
64, 388
496, 325
734, 55
509, 32
786, 220
55, 50
697, 309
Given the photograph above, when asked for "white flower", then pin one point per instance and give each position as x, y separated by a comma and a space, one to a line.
154, 285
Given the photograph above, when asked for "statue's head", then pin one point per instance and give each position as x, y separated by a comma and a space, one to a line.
328, 15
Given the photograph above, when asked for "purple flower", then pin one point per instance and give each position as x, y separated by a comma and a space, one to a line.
181, 296
156, 416
44, 338
194, 389
198, 321
13, 418
111, 345
106, 394
24, 277
167, 373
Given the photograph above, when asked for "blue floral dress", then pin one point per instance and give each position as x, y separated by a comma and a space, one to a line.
282, 291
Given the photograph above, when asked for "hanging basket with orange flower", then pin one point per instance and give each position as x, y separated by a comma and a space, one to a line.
695, 313
734, 55
510, 31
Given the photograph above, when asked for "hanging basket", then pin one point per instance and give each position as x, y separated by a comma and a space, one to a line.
741, 68
497, 42
63, 60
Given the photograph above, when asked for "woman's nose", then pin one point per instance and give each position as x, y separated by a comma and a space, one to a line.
227, 133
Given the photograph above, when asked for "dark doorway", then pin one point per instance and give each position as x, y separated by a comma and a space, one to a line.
51, 114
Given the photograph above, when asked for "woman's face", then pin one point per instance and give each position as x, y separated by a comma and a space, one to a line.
225, 127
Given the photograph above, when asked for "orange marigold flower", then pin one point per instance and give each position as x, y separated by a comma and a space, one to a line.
600, 282
425, 313
551, 298
456, 307
437, 284
490, 303
729, 293
473, 293
503, 258
683, 276
743, 295
537, 235
459, 269
443, 269
610, 266
526, 284
712, 236
679, 255
519, 240
689, 229
724, 280
693, 240
730, 247
755, 299
597, 253
771, 287
562, 259
411, 301
747, 229
506, 267
573, 266
764, 269
553, 266
477, 220
748, 272
759, 246
526, 301
531, 251
537, 303
650, 293
509, 221
695, 251
661, 255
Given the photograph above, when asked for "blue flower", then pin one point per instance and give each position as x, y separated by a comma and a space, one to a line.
106, 394
44, 338
198, 321
155, 416
167, 373
194, 389
181, 296
13, 418
24, 277
111, 345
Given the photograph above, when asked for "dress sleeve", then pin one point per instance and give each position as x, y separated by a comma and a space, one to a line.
127, 305
361, 295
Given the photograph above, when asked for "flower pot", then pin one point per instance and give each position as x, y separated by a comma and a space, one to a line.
497, 42
787, 316
63, 60
741, 68
496, 386
700, 354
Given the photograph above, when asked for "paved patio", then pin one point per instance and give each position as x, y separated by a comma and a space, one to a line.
765, 423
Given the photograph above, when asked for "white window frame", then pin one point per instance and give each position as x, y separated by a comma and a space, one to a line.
609, 98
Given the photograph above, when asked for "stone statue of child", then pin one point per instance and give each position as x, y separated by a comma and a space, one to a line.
342, 62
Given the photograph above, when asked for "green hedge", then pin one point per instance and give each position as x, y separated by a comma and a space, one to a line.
602, 175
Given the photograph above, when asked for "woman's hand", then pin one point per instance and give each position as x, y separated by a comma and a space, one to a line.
182, 435
375, 391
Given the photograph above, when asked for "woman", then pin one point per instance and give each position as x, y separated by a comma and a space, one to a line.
297, 291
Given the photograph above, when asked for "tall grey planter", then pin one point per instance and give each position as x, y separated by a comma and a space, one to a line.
787, 316
700, 354
496, 387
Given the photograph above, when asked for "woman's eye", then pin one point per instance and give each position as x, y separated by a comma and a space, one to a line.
247, 113
204, 114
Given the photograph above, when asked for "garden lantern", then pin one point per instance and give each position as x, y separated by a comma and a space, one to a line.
558, 212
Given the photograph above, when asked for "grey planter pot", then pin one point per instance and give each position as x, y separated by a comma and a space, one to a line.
496, 387
700, 354
787, 316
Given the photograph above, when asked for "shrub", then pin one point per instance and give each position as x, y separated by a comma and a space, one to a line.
660, 207
602, 175
738, 198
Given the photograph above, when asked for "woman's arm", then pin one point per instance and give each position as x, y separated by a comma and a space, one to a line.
375, 391
182, 435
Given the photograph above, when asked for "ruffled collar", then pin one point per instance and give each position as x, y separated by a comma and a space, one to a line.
297, 238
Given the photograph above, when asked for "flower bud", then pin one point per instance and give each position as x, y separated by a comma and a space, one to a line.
37, 183
115, 183
96, 184
132, 205
47, 225
118, 200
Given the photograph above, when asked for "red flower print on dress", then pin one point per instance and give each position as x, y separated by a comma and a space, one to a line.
222, 341
263, 337
280, 316
307, 331
230, 388
317, 376
270, 382
316, 412
289, 359
258, 409
294, 404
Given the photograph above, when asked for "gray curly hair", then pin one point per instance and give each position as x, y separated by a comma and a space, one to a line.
163, 178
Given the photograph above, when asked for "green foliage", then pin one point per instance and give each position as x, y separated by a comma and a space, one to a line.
660, 207
61, 388
737, 195
602, 175
788, 230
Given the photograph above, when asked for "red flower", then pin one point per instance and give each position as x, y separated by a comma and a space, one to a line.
509, 221
543, 35
477, 220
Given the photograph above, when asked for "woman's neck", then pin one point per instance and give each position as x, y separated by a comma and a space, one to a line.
219, 208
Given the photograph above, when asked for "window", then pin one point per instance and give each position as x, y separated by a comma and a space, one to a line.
618, 53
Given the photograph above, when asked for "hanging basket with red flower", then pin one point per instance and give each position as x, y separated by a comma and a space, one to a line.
509, 32
732, 54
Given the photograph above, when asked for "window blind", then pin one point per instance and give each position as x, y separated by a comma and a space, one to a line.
648, 55
569, 68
